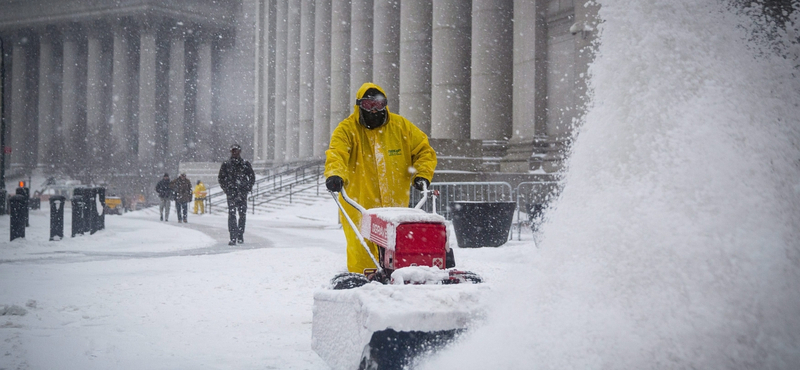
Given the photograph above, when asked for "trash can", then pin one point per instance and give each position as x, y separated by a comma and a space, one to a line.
57, 217
482, 224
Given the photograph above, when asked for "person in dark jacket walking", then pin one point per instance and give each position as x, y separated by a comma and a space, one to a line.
183, 195
236, 178
165, 196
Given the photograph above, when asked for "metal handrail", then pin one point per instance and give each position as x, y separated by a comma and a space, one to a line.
269, 178
292, 191
263, 187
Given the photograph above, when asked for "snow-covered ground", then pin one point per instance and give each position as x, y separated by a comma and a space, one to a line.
145, 294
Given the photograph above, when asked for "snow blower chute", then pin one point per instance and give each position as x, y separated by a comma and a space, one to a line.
411, 303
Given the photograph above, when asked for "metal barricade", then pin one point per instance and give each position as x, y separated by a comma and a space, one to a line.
450, 192
532, 199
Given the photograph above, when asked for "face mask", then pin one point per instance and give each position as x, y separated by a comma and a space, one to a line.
372, 120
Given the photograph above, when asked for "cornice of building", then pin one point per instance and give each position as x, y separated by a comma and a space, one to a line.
27, 13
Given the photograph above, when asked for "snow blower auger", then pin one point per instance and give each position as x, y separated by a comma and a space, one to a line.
413, 302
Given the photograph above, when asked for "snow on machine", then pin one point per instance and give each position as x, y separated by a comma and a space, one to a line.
411, 303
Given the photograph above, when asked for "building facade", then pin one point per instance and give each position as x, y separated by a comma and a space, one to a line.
135, 87
496, 84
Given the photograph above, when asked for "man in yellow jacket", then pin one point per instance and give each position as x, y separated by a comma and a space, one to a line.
376, 156
200, 197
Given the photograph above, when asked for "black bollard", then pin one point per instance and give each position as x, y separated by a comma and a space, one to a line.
86, 215
92, 219
17, 205
25, 192
77, 213
57, 217
3, 201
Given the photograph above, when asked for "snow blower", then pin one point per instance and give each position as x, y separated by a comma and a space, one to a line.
411, 303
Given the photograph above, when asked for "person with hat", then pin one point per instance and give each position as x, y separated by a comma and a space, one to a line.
183, 195
164, 196
236, 178
376, 156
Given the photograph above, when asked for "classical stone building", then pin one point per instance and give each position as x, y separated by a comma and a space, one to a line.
135, 87
125, 89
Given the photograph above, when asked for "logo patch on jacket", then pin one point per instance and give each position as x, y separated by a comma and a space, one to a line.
394, 152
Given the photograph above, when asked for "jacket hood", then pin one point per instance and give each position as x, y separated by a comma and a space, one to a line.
363, 90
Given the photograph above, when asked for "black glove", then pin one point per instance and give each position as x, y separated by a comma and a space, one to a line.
419, 182
334, 183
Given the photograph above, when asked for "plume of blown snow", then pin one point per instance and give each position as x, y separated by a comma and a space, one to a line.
675, 242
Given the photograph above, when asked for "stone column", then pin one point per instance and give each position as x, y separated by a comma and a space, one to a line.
47, 119
528, 33
492, 69
269, 85
121, 130
342, 100
95, 83
204, 133
451, 55
280, 81
415, 63
361, 45
73, 142
176, 142
147, 96
386, 53
305, 103
292, 80
322, 77
263, 77
21, 136
492, 75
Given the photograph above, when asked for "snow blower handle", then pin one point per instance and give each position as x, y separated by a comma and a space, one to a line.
425, 194
353, 225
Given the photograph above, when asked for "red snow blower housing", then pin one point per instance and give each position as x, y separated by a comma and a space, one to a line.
405, 237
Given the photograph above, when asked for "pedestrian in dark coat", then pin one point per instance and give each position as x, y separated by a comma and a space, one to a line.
236, 178
183, 195
164, 196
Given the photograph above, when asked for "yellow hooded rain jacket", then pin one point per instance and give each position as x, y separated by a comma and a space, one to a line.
378, 167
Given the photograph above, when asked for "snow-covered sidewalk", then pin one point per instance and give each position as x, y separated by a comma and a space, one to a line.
149, 294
